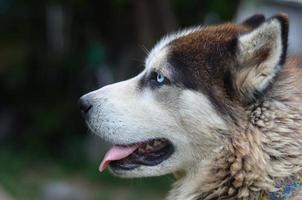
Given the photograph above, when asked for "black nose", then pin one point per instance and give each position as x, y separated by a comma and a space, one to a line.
85, 105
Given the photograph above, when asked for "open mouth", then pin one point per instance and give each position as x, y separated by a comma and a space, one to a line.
128, 157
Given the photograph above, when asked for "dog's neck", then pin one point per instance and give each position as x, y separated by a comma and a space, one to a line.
188, 183
263, 148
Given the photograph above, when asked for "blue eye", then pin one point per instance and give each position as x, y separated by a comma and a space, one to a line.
158, 79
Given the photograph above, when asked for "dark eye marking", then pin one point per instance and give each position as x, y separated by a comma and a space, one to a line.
157, 79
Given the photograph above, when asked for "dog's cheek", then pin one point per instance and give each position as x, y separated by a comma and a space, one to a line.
196, 111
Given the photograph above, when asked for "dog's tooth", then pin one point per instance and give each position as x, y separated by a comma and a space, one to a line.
141, 150
162, 140
157, 143
148, 147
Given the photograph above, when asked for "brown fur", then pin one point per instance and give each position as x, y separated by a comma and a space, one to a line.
203, 60
204, 53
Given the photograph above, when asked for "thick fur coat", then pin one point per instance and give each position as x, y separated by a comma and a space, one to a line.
225, 99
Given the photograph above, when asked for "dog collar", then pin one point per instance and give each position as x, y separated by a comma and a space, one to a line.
286, 188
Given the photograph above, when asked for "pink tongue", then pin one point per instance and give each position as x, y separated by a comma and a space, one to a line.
116, 153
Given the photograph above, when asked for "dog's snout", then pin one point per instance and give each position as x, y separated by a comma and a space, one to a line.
85, 105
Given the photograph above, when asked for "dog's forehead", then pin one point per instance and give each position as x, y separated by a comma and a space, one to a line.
158, 60
195, 41
159, 54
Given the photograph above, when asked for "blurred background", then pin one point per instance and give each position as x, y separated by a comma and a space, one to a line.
54, 51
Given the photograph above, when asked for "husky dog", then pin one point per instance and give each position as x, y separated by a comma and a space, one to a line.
218, 106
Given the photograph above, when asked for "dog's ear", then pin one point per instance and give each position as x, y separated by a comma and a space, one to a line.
260, 55
254, 21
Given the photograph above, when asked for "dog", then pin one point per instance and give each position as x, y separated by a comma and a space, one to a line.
220, 107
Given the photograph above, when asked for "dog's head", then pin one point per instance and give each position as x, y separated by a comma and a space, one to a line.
178, 110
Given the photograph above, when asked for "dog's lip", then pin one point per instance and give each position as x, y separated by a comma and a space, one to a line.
127, 157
